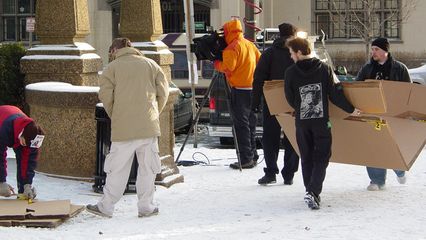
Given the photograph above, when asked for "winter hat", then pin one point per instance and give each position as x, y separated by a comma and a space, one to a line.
31, 131
382, 43
286, 29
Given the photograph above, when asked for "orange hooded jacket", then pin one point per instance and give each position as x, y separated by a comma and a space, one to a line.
239, 57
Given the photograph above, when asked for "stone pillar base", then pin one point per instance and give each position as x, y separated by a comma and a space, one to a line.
169, 173
66, 113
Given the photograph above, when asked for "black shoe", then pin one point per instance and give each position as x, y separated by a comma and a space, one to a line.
312, 201
236, 165
267, 179
288, 182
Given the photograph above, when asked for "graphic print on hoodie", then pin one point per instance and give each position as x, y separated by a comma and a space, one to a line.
311, 105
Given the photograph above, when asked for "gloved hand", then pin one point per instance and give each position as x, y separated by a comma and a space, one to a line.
6, 190
29, 191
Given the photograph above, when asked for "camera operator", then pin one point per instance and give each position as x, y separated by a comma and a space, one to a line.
239, 62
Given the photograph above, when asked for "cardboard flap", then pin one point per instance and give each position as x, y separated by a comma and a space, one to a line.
366, 96
410, 136
417, 101
356, 142
397, 95
364, 143
287, 124
275, 97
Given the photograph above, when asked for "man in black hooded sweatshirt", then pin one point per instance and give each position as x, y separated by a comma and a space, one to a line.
271, 66
308, 86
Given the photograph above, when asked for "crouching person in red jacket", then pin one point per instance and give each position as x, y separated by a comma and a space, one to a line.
21, 133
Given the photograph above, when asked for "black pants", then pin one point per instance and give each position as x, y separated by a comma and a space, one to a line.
271, 146
244, 121
315, 151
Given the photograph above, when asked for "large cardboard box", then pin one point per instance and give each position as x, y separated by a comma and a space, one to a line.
390, 134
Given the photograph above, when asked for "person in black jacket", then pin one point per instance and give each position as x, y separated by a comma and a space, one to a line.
382, 66
271, 66
308, 86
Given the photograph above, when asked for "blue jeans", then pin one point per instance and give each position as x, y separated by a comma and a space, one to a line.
378, 175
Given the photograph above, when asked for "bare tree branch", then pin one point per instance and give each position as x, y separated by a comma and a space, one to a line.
364, 17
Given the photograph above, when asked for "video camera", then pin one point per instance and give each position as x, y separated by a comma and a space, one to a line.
209, 47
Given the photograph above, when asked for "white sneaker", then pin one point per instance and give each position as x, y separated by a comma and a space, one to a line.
375, 187
402, 180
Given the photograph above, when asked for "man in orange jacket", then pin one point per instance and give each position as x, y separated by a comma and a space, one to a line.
239, 62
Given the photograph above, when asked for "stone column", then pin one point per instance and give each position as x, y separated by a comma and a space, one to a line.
141, 22
67, 115
62, 56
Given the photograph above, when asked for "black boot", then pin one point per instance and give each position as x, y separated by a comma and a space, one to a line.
267, 179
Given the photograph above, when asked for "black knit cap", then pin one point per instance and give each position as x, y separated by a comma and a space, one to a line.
31, 131
382, 43
286, 29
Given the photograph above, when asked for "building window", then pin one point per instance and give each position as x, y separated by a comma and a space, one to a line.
13, 14
172, 13
346, 19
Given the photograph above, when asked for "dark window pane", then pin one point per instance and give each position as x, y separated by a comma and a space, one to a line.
321, 4
391, 26
391, 4
339, 26
180, 66
23, 34
339, 4
9, 29
24, 6
34, 6
207, 69
9, 6
323, 23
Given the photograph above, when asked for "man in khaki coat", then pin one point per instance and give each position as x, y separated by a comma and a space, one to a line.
134, 91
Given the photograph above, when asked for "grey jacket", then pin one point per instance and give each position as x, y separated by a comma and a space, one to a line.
399, 71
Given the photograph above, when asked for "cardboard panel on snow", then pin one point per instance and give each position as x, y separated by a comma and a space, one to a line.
388, 137
49, 214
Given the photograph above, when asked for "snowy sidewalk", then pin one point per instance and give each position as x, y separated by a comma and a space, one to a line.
216, 202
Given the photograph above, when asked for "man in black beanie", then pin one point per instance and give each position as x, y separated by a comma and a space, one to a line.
272, 65
382, 66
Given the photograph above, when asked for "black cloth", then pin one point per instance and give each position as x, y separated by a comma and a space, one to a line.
271, 146
271, 66
315, 149
244, 121
382, 43
308, 86
287, 29
398, 71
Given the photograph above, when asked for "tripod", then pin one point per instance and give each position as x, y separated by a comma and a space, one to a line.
216, 77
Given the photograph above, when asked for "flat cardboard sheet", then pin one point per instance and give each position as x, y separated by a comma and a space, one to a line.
49, 209
48, 214
12, 209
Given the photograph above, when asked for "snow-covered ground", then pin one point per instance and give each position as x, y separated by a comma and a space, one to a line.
216, 202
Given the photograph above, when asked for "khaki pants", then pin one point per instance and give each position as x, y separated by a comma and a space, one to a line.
117, 166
